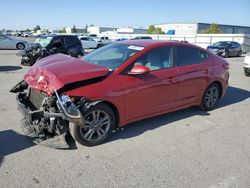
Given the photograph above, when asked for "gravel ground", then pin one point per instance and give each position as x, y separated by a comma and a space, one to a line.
188, 148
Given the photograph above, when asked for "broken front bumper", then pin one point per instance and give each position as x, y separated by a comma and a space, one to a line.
67, 108
67, 111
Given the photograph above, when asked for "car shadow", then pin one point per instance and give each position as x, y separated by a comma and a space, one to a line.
12, 142
234, 95
9, 68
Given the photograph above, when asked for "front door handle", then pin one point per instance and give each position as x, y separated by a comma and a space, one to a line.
172, 79
205, 70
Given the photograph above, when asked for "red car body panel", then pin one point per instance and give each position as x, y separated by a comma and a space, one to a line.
136, 97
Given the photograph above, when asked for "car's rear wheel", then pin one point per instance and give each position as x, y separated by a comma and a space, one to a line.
99, 124
20, 46
98, 46
210, 97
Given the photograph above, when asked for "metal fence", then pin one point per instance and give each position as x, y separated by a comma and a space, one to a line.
202, 40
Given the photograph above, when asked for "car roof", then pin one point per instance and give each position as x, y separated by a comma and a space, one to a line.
57, 35
148, 43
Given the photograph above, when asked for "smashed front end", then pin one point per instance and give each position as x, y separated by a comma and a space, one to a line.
46, 117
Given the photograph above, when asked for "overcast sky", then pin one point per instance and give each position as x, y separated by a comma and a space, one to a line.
52, 14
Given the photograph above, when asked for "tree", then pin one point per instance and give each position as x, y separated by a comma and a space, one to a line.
213, 28
151, 29
74, 29
154, 30
63, 30
36, 28
86, 29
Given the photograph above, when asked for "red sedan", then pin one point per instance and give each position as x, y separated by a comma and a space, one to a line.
115, 85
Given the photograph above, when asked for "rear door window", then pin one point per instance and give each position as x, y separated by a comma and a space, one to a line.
186, 55
71, 41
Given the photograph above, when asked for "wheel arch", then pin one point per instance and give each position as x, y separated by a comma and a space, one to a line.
219, 84
115, 110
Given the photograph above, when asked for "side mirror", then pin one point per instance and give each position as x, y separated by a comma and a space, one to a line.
139, 69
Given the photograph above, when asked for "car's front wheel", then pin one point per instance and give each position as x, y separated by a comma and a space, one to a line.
20, 46
239, 53
79, 55
210, 97
247, 72
99, 124
226, 54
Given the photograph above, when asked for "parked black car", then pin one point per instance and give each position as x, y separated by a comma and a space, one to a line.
226, 48
141, 37
52, 44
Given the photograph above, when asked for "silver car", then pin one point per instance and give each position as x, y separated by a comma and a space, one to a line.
12, 43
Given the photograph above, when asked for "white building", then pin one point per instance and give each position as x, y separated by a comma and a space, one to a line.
114, 30
195, 28
98, 30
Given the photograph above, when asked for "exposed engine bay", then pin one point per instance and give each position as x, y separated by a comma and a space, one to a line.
46, 118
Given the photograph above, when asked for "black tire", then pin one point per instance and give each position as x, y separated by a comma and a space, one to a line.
239, 53
247, 73
79, 133
226, 54
20, 46
210, 97
79, 55
98, 46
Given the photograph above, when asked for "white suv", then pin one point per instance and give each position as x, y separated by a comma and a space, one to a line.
104, 40
88, 42
246, 65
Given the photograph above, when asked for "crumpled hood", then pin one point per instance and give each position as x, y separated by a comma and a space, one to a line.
53, 72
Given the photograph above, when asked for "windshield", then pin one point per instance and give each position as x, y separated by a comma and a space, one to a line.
225, 43
112, 55
43, 41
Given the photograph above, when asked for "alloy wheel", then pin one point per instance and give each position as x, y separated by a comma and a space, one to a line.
97, 124
211, 96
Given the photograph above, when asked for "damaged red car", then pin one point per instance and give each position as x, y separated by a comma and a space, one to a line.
115, 85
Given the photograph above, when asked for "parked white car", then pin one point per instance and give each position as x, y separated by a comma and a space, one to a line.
88, 42
246, 65
12, 43
104, 40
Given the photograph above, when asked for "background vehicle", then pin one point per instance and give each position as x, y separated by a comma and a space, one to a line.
142, 37
104, 40
117, 84
121, 39
247, 64
92, 35
88, 42
226, 48
47, 45
11, 43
